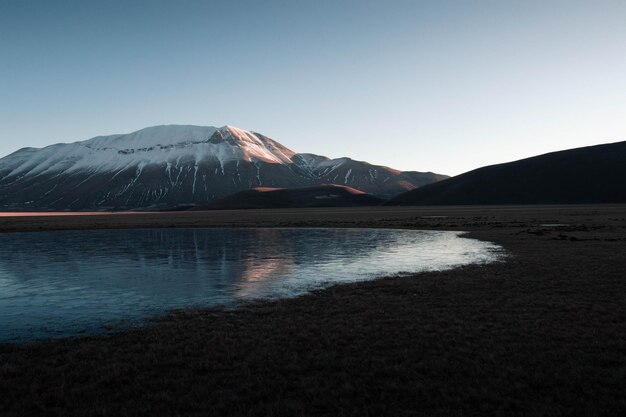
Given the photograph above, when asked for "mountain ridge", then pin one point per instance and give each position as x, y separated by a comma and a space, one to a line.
326, 195
171, 165
590, 174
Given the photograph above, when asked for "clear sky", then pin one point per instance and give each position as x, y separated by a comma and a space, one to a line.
445, 86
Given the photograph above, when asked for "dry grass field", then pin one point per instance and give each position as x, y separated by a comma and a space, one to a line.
543, 333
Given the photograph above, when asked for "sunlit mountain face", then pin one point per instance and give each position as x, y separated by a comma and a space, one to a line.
170, 166
317, 196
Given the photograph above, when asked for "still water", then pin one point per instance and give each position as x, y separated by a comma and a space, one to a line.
56, 284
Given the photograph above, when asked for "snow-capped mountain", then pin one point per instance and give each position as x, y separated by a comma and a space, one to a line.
169, 166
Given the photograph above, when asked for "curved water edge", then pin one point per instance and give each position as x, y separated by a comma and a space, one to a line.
58, 284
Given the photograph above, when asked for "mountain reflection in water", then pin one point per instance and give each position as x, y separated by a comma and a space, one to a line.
56, 284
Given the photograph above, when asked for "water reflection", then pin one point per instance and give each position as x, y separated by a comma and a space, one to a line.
64, 283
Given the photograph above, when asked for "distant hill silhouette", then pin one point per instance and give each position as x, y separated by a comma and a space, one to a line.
320, 196
594, 174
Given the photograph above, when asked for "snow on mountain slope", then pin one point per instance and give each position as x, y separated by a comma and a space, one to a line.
154, 145
166, 166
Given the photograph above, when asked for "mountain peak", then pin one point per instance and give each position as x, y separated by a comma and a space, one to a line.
167, 135
224, 143
169, 165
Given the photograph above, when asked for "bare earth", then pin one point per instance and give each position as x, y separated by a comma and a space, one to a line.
542, 334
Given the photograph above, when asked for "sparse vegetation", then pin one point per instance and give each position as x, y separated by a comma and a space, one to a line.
542, 334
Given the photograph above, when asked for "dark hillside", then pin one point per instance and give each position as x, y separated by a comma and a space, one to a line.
594, 174
321, 196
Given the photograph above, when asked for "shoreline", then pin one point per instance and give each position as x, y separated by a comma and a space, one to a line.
489, 253
435, 217
542, 333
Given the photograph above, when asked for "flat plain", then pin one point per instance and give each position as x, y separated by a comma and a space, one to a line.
543, 333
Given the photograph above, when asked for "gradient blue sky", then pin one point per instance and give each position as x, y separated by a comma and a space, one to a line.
445, 86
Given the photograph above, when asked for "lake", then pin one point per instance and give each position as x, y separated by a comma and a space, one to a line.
66, 283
